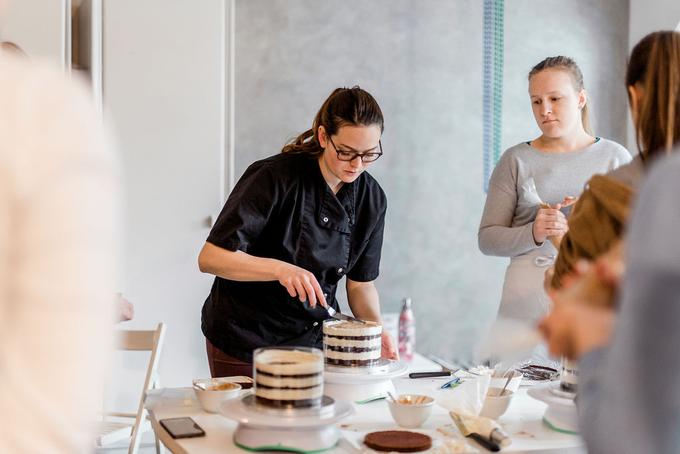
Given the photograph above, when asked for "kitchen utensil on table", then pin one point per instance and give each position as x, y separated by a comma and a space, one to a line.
443, 373
447, 370
507, 382
451, 383
483, 441
340, 316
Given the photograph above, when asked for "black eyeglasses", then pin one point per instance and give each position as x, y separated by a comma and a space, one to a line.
349, 156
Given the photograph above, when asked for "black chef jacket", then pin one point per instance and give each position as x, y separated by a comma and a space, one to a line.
282, 208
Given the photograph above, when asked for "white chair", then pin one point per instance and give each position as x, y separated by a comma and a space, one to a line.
116, 426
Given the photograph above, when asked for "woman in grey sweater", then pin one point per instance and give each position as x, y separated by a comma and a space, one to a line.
546, 171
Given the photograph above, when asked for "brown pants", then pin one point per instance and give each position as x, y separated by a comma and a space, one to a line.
223, 365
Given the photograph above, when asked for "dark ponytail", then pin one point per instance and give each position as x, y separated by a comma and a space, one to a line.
655, 65
344, 107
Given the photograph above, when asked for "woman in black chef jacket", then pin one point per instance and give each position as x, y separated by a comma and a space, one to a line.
293, 226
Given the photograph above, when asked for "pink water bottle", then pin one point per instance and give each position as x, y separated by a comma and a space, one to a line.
407, 332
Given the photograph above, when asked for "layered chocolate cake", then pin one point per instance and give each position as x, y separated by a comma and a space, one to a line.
288, 377
352, 343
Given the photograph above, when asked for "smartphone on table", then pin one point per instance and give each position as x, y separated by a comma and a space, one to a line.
183, 427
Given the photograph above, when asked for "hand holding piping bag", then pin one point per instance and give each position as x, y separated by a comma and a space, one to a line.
556, 238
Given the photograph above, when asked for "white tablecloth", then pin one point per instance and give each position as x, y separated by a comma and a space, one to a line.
523, 421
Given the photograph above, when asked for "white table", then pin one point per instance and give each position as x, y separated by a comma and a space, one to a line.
523, 421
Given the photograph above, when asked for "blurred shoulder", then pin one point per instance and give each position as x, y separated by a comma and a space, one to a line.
616, 150
631, 173
48, 120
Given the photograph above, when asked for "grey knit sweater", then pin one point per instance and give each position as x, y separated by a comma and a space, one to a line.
511, 204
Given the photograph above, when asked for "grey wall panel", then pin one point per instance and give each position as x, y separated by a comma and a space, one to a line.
593, 33
422, 61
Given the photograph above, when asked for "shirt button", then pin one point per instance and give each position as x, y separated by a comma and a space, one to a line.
340, 270
325, 219
315, 323
325, 295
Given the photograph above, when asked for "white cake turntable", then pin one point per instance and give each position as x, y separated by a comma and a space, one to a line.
561, 415
303, 430
359, 384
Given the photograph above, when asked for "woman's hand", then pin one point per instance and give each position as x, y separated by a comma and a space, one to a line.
572, 329
126, 311
549, 222
593, 283
582, 317
568, 201
388, 351
300, 283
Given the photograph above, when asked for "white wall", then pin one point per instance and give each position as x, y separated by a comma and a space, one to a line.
163, 78
650, 15
647, 16
39, 27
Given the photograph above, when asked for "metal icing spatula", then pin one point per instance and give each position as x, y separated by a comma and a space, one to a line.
340, 316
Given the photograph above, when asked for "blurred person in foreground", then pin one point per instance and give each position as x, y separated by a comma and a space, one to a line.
629, 398
599, 217
58, 232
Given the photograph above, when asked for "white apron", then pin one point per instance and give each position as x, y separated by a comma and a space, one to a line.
523, 295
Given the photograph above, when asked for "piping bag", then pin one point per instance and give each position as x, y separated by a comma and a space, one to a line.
530, 195
485, 428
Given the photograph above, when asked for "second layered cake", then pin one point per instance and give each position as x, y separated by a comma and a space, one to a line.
288, 377
352, 343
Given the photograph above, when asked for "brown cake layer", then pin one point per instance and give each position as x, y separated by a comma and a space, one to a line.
352, 362
360, 338
302, 403
337, 348
260, 385
398, 440
259, 372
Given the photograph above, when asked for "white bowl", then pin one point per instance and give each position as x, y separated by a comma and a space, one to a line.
497, 381
411, 410
496, 405
211, 392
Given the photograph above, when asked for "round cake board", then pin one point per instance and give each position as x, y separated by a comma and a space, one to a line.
253, 416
